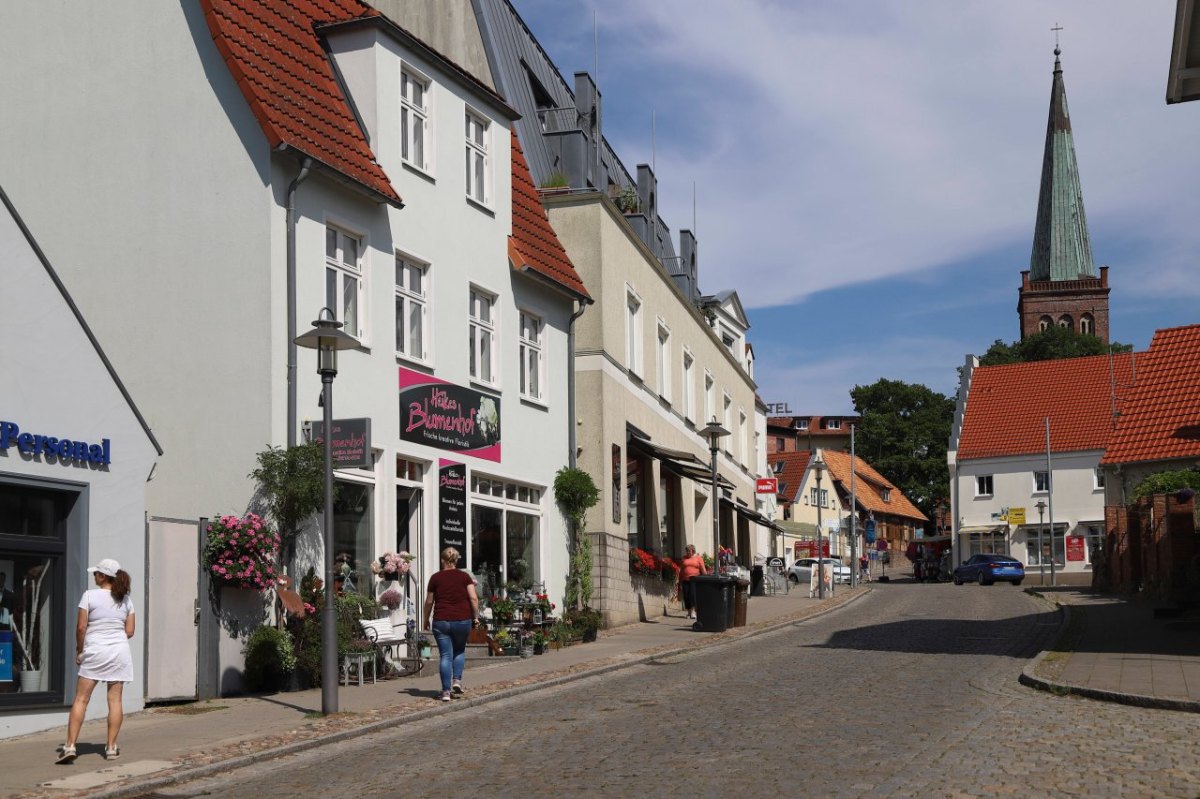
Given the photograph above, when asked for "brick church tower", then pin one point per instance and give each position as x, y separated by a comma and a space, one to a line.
1061, 287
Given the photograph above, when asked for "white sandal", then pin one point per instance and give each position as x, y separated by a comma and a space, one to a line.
112, 753
66, 755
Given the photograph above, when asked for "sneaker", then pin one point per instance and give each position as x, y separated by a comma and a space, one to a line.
456, 687
445, 696
66, 755
112, 752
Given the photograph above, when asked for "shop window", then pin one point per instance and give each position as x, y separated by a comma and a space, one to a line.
1094, 534
35, 524
505, 543
1038, 546
989, 543
353, 537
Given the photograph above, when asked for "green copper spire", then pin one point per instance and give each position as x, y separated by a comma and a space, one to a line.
1062, 249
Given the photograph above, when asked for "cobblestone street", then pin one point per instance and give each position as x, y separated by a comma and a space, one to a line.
911, 691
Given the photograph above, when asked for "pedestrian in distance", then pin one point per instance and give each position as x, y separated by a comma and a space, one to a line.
864, 567
691, 565
104, 623
451, 608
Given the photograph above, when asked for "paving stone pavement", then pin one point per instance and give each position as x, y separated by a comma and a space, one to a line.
910, 691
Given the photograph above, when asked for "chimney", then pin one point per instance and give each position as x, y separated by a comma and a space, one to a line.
647, 189
686, 270
587, 106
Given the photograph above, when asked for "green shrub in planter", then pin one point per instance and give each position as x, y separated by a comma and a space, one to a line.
270, 659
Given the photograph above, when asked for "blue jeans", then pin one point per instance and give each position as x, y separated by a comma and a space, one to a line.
451, 637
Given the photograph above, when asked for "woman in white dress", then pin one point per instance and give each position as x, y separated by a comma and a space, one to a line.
103, 627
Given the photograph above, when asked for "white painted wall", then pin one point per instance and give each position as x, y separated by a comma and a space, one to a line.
62, 388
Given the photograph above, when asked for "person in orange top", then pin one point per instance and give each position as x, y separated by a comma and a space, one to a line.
691, 565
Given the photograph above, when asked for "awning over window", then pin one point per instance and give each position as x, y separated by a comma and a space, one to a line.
684, 464
799, 529
983, 528
750, 515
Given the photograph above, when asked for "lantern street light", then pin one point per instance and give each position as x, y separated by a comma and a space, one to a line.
818, 467
714, 432
327, 338
1041, 506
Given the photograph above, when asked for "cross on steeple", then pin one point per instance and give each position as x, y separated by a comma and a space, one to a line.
1056, 29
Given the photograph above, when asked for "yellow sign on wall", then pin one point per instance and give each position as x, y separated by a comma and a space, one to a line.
1016, 515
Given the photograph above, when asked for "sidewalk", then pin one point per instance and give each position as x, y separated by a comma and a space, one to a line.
160, 746
1115, 649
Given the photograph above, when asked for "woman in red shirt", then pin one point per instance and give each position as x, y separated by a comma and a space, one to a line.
452, 606
691, 565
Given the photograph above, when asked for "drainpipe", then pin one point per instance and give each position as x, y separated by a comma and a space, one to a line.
572, 423
305, 165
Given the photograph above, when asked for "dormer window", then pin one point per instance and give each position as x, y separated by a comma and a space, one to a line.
801, 424
777, 468
887, 495
833, 424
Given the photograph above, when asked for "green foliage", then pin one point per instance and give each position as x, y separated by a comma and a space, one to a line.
270, 657
556, 180
306, 631
1050, 344
1168, 483
292, 481
583, 620
576, 493
904, 435
628, 200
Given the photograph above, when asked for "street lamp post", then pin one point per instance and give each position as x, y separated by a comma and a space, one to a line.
818, 467
327, 338
714, 432
1041, 506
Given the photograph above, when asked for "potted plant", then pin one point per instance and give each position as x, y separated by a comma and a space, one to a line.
503, 609
505, 641
240, 552
525, 643
586, 622
424, 646
539, 643
270, 659
28, 630
390, 599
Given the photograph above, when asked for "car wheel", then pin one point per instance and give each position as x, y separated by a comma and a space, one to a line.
957, 580
980, 579
1016, 582
795, 580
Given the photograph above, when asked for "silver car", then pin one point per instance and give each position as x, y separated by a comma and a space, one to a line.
800, 572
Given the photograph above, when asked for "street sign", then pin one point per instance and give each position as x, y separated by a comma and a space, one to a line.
766, 485
1016, 515
881, 545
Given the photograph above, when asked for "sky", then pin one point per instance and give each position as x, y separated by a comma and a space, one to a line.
866, 174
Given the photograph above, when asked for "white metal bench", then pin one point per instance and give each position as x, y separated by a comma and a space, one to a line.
390, 645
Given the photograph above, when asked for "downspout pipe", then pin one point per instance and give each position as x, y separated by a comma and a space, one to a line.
292, 402
572, 424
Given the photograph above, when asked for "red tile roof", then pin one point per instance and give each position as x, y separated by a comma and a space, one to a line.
1160, 420
869, 486
792, 475
276, 57
533, 243
1007, 406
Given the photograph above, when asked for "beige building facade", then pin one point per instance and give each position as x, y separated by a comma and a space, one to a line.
650, 374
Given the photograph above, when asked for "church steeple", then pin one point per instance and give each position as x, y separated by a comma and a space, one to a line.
1062, 249
1061, 287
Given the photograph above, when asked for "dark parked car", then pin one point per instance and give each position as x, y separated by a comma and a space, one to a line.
987, 569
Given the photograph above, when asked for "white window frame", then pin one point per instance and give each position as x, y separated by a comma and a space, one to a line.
1041, 482
411, 114
1098, 478
345, 273
410, 301
743, 441
687, 393
886, 495
727, 420
662, 359
802, 424
531, 350
710, 397
633, 331
481, 336
478, 159
833, 424
979, 478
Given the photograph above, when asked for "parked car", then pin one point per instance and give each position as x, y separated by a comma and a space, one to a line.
801, 570
987, 569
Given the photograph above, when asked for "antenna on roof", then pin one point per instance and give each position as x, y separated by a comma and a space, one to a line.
694, 231
596, 47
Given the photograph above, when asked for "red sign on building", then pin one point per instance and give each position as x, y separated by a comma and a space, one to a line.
1074, 547
766, 485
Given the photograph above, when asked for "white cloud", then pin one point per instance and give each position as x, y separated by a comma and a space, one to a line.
833, 144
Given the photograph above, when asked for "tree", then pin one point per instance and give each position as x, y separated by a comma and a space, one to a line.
576, 493
904, 434
1050, 344
292, 484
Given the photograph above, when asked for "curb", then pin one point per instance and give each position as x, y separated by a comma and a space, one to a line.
715, 641
1029, 679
